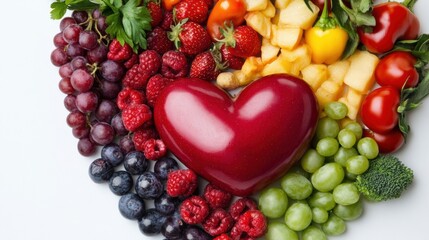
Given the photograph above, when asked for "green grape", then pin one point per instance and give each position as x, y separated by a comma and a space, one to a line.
336, 110
279, 231
346, 138
346, 194
296, 186
351, 176
368, 147
273, 202
311, 161
298, 216
327, 127
326, 178
313, 233
349, 212
320, 215
323, 200
334, 226
356, 128
357, 164
343, 154
327, 146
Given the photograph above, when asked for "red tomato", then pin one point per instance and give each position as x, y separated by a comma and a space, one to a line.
379, 109
388, 142
397, 69
225, 11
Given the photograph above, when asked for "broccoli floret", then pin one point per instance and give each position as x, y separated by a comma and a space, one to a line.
386, 178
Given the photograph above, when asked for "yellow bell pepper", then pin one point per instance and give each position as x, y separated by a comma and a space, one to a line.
326, 39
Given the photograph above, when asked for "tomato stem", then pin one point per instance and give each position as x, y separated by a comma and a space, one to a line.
409, 4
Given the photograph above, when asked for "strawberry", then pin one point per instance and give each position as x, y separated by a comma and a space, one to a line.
195, 10
243, 40
230, 59
155, 13
206, 65
135, 115
154, 87
158, 40
190, 37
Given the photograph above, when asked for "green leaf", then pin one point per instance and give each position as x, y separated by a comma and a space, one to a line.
360, 13
345, 23
58, 9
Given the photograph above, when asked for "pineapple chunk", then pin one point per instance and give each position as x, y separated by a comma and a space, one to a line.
329, 91
352, 110
279, 65
251, 66
315, 75
300, 57
323, 97
288, 37
354, 97
297, 14
270, 10
281, 3
256, 5
276, 18
259, 22
273, 38
360, 75
268, 51
337, 71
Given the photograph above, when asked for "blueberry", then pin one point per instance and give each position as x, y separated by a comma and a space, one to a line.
149, 186
165, 165
173, 228
135, 162
100, 170
121, 182
131, 206
113, 154
196, 233
166, 204
152, 222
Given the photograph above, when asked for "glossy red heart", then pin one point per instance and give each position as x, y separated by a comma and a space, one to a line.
240, 145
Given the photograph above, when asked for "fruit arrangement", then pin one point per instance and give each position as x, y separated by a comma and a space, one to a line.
242, 119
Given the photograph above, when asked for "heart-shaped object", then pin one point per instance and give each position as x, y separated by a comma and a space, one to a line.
240, 145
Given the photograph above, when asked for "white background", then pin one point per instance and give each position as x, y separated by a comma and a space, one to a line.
45, 191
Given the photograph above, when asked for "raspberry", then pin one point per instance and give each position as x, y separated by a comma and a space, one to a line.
155, 13
241, 206
119, 53
237, 234
219, 221
129, 96
134, 59
194, 210
252, 223
150, 62
223, 236
158, 40
154, 87
134, 116
141, 135
216, 197
168, 21
135, 79
154, 149
181, 183
174, 64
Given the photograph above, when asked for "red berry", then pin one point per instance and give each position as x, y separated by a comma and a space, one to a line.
181, 183
243, 40
241, 206
206, 66
142, 135
134, 116
190, 37
223, 236
253, 223
119, 53
135, 79
154, 87
150, 62
194, 210
134, 59
219, 221
155, 13
194, 10
129, 96
168, 21
158, 40
237, 234
216, 197
154, 149
174, 65
230, 59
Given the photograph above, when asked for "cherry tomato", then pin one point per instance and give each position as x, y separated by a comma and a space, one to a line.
397, 70
379, 109
225, 11
169, 4
387, 142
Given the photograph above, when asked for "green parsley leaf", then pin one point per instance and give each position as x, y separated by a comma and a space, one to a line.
58, 9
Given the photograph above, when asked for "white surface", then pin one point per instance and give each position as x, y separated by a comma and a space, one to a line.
45, 191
